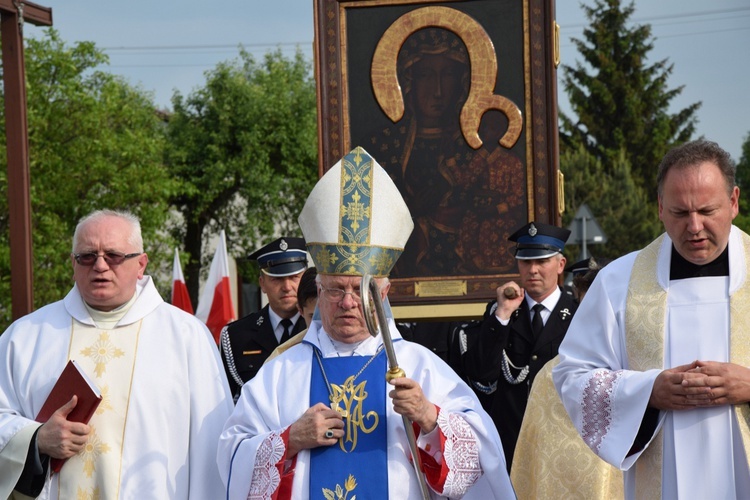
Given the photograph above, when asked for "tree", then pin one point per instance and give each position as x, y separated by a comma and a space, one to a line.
622, 208
743, 181
245, 149
94, 142
620, 101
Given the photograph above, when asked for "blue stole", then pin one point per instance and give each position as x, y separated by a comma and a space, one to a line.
358, 463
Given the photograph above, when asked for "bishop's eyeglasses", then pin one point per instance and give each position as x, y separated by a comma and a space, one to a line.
337, 294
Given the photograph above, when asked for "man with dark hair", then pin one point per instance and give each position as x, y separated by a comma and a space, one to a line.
307, 295
247, 342
654, 369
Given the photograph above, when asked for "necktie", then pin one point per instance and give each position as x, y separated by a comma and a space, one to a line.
287, 324
536, 322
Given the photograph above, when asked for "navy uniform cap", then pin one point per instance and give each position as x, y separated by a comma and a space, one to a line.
282, 257
539, 241
582, 266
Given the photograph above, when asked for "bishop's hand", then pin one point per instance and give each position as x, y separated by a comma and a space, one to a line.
318, 426
409, 401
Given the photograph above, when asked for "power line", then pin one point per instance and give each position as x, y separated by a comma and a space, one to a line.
691, 14
154, 50
199, 47
149, 48
692, 21
712, 32
641, 20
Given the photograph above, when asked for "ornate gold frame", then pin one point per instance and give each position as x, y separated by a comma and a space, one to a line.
534, 132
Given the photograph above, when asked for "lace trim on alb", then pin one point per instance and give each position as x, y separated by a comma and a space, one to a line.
266, 478
461, 454
596, 406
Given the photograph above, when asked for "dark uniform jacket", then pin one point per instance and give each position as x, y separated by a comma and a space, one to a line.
449, 340
483, 361
245, 345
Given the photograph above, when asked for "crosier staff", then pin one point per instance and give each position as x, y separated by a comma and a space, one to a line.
375, 320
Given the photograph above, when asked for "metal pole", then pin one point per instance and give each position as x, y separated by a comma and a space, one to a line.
584, 250
378, 322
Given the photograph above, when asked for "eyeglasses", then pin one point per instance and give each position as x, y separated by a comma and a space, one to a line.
337, 294
111, 258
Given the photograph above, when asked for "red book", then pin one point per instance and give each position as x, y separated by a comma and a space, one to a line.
72, 381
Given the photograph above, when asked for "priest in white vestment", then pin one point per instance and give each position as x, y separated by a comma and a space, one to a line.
320, 420
165, 394
654, 368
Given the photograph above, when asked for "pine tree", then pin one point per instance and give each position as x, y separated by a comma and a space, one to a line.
621, 207
621, 102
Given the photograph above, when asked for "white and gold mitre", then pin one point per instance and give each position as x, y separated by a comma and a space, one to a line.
355, 220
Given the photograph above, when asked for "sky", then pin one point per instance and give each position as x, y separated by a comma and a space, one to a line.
167, 46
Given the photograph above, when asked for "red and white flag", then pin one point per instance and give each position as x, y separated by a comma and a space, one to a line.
215, 307
180, 297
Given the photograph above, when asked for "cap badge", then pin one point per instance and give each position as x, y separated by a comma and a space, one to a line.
532, 230
283, 245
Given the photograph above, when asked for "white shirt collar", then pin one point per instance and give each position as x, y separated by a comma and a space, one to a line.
549, 303
276, 320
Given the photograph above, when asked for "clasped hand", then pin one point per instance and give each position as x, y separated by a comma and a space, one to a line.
701, 384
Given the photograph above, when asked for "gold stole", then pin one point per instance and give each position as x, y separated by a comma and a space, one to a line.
645, 317
108, 357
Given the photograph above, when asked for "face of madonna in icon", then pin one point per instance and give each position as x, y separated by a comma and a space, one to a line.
437, 80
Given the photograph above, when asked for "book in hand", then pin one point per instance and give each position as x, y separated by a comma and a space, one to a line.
72, 381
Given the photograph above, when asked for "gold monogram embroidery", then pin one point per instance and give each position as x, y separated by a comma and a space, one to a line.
353, 397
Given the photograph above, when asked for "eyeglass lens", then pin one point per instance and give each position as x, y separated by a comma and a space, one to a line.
338, 293
111, 258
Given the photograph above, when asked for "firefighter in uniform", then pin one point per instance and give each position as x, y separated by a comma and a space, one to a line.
522, 329
246, 343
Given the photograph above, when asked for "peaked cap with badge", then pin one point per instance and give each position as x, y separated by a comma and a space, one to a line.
582, 266
539, 241
355, 220
282, 257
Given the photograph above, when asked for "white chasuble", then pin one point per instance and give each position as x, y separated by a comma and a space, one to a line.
107, 357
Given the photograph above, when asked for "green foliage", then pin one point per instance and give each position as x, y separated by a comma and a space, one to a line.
743, 181
94, 142
620, 101
621, 207
245, 149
